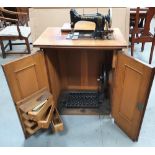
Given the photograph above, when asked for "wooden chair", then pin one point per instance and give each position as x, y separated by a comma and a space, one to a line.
143, 34
142, 16
23, 20
13, 32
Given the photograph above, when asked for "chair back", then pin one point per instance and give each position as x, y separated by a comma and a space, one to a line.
150, 14
148, 18
11, 20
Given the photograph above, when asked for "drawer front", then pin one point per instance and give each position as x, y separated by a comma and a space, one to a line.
58, 127
32, 130
57, 122
37, 115
46, 119
29, 124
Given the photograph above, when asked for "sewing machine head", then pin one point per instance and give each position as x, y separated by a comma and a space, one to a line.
102, 22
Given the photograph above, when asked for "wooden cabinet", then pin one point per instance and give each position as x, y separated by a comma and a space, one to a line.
73, 64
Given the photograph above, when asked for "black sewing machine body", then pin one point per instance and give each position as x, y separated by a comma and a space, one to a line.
101, 21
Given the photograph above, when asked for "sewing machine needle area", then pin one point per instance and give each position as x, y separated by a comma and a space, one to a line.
88, 35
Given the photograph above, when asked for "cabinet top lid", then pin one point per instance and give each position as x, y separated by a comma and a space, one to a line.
53, 37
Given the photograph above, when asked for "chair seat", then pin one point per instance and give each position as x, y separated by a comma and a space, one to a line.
12, 31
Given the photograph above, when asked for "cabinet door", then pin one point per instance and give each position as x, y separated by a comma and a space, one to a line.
26, 75
132, 84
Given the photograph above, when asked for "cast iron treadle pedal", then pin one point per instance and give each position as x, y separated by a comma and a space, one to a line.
82, 99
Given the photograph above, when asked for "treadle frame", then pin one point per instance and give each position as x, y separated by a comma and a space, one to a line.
83, 102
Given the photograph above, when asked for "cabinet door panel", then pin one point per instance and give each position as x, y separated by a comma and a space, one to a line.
133, 80
26, 75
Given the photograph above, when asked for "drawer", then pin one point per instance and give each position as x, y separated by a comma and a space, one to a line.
28, 103
57, 122
46, 119
38, 114
25, 116
29, 123
32, 130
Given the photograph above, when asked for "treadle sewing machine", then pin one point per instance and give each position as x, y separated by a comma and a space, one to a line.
102, 25
90, 98
78, 70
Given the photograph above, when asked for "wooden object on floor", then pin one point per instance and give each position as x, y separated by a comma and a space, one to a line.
74, 64
14, 32
143, 35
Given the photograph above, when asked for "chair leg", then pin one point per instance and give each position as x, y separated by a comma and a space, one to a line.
28, 45
3, 49
132, 48
10, 44
151, 53
137, 37
142, 49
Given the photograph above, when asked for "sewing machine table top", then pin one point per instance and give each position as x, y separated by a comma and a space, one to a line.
54, 37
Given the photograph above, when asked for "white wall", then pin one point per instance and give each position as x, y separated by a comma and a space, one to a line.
41, 18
